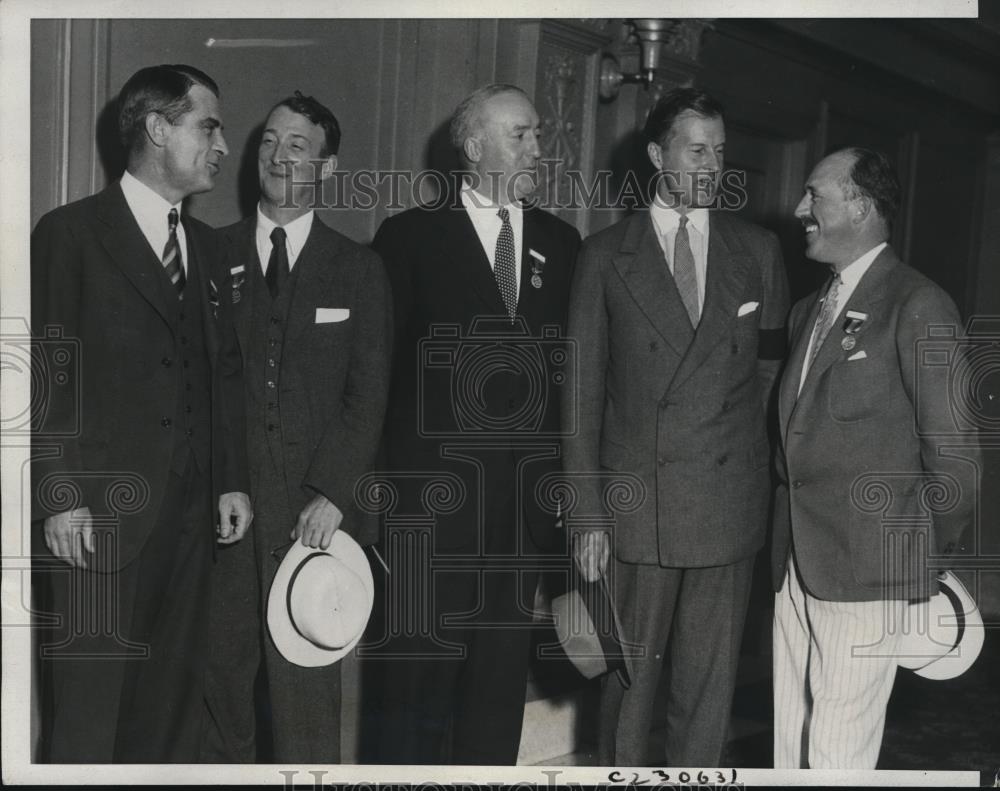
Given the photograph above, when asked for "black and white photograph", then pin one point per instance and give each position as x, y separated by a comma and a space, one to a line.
447, 393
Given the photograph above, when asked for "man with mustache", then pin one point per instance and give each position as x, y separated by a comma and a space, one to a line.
313, 319
488, 277
126, 492
858, 417
678, 317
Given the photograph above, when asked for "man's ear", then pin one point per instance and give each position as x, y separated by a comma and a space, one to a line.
863, 208
156, 129
473, 149
655, 155
329, 165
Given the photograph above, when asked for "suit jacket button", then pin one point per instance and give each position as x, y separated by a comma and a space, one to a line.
189, 432
722, 459
166, 362
653, 347
271, 384
735, 349
725, 406
166, 422
661, 461
271, 427
796, 484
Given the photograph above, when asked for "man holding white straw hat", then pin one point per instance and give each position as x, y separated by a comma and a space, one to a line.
869, 491
313, 319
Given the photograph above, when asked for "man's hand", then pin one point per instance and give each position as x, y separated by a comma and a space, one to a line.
235, 516
592, 550
70, 536
317, 523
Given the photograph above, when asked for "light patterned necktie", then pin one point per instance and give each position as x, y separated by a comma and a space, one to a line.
824, 321
685, 276
172, 255
504, 263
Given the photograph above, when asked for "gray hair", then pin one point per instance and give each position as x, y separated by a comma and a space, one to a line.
466, 115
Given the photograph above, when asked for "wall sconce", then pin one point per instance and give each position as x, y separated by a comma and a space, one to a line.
650, 33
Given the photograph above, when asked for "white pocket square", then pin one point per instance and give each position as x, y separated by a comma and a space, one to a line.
747, 307
858, 356
330, 315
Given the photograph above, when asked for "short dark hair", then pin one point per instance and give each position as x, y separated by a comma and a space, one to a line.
660, 121
873, 176
156, 89
466, 115
317, 113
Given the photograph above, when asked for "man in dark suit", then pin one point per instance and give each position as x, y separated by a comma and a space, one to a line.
125, 473
677, 314
476, 281
866, 492
314, 323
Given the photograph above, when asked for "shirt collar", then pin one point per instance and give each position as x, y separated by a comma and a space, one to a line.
667, 219
851, 274
475, 201
144, 201
296, 232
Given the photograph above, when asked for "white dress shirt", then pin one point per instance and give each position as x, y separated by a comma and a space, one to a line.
850, 275
485, 219
296, 233
666, 221
151, 211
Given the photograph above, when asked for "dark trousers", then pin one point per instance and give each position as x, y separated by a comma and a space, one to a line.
303, 702
694, 615
472, 683
123, 670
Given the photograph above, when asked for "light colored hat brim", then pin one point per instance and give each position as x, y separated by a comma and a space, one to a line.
949, 663
292, 645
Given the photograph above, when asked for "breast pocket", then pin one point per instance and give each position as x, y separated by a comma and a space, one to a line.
858, 390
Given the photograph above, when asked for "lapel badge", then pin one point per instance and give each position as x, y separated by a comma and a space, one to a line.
237, 273
853, 322
848, 342
537, 267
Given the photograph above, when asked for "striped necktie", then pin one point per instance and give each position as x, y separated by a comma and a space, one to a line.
172, 256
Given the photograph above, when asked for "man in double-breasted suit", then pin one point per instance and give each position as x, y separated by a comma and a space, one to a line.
866, 492
313, 318
136, 434
480, 285
678, 316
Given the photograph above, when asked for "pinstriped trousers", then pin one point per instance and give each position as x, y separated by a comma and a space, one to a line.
834, 666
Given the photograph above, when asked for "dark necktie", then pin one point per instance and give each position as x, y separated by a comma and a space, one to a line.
684, 272
171, 257
277, 264
504, 263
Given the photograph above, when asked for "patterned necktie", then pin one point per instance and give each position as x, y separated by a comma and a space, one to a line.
685, 276
171, 257
824, 321
277, 263
504, 263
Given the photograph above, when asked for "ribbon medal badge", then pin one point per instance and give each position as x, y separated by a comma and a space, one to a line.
537, 267
239, 278
852, 324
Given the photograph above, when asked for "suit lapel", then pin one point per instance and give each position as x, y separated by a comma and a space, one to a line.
641, 266
314, 269
128, 248
726, 276
789, 391
238, 288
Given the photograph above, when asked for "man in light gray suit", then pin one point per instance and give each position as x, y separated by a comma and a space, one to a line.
866, 491
678, 317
